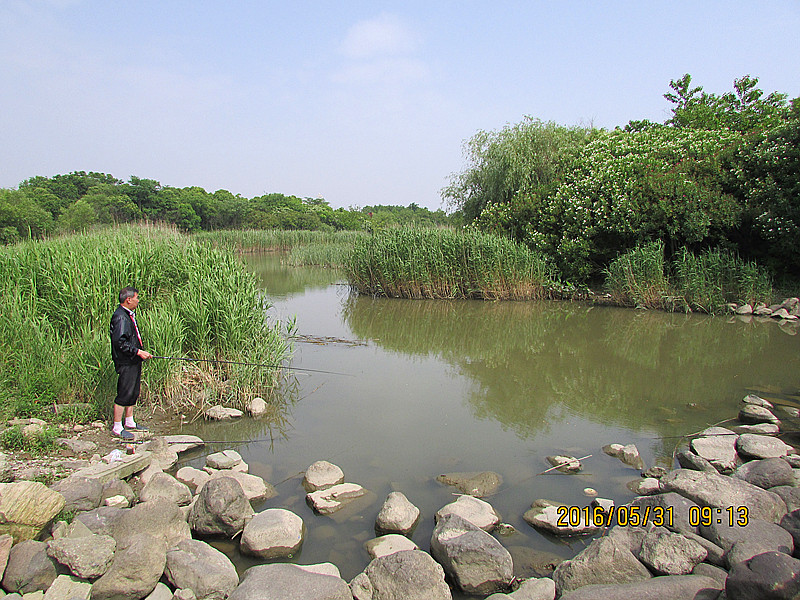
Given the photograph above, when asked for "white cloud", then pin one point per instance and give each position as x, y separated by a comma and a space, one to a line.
385, 35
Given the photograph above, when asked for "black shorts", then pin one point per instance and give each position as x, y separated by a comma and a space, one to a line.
128, 384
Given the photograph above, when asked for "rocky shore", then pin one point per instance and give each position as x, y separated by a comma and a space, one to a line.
725, 524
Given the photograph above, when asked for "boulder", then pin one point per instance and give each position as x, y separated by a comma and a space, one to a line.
565, 464
765, 428
29, 568
710, 489
162, 453
321, 475
329, 500
757, 401
137, 566
476, 561
273, 533
66, 587
669, 553
76, 445
690, 460
6, 542
605, 560
790, 522
221, 508
766, 473
718, 446
716, 554
87, 557
614, 450
197, 566
227, 459
160, 592
757, 534
768, 575
630, 456
165, 486
750, 413
477, 484
26, 508
789, 494
181, 443
281, 581
717, 574
397, 515
674, 508
257, 407
478, 512
254, 487
191, 477
406, 575
118, 487
101, 520
558, 520
542, 588
222, 413
755, 446
388, 544
159, 518
646, 486
696, 587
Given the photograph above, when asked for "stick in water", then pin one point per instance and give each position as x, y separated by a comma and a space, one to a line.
250, 364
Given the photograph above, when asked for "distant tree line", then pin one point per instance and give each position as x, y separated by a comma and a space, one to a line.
722, 172
80, 200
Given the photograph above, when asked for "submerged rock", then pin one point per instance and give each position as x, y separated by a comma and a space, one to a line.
566, 464
273, 533
397, 515
321, 475
329, 500
388, 544
478, 484
221, 413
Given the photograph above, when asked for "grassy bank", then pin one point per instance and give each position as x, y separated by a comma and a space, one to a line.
442, 263
702, 282
57, 296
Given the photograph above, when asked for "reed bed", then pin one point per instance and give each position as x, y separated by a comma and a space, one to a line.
443, 263
702, 282
57, 296
267, 240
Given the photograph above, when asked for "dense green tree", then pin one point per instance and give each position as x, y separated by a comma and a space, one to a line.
20, 212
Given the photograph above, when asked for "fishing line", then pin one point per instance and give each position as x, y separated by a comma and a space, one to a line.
251, 364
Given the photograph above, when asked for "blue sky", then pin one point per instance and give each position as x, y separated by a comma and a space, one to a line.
362, 103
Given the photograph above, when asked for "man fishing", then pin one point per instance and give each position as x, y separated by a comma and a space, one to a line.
128, 354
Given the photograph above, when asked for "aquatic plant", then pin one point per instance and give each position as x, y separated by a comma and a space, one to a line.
637, 277
443, 263
263, 240
57, 295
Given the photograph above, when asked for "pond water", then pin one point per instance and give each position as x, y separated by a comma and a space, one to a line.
431, 387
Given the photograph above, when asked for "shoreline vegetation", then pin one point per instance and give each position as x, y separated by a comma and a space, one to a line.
56, 298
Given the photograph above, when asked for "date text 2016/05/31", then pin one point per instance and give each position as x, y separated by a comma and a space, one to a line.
642, 516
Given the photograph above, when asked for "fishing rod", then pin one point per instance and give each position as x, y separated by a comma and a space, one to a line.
251, 364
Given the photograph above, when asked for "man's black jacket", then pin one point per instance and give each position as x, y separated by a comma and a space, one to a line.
124, 341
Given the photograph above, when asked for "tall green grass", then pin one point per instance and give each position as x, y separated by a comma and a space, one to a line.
56, 300
702, 282
263, 240
442, 263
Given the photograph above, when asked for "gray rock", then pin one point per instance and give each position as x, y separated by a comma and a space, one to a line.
757, 401
716, 554
756, 537
671, 507
555, 520
160, 518
690, 460
195, 565
117, 487
744, 309
716, 573
478, 484
76, 445
718, 446
654, 472
388, 544
66, 587
614, 450
754, 446
191, 477
630, 456
254, 487
750, 413
476, 561
273, 533
769, 575
789, 494
6, 542
165, 486
566, 464
321, 475
101, 520
791, 523
222, 413
257, 407
397, 515
227, 459
29, 568
137, 566
478, 512
184, 594
629, 537
766, 473
161, 592
80, 493
328, 500
162, 454
221, 508
669, 553
710, 489
282, 581
672, 587
765, 428
87, 557
605, 560
407, 575
542, 588
182, 443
